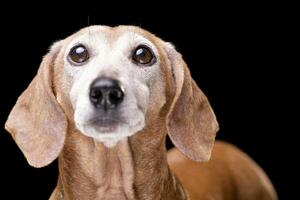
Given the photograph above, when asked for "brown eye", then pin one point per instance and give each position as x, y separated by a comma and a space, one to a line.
79, 54
143, 55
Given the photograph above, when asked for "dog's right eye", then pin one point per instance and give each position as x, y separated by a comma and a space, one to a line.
79, 54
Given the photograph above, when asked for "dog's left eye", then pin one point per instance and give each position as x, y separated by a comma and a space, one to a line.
143, 55
79, 54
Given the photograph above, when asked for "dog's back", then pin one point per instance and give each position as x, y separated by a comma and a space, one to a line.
230, 174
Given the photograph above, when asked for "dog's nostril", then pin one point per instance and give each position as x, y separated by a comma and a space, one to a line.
96, 95
115, 96
106, 93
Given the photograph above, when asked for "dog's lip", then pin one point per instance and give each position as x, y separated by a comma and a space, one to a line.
106, 129
104, 121
105, 124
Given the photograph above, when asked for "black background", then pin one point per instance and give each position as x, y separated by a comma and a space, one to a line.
240, 54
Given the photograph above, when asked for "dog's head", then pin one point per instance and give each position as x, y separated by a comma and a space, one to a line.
109, 81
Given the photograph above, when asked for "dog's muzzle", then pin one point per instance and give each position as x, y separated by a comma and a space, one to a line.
106, 93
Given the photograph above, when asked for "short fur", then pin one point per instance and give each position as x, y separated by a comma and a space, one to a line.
136, 165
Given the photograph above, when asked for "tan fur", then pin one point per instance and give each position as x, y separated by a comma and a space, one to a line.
138, 167
230, 174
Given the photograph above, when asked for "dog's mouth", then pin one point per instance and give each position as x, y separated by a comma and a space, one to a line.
109, 129
105, 124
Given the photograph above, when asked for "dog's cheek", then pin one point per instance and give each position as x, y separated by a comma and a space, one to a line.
73, 94
142, 93
157, 93
79, 89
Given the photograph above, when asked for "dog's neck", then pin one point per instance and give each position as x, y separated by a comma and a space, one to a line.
89, 170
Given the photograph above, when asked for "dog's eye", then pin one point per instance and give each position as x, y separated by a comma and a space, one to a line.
143, 55
79, 54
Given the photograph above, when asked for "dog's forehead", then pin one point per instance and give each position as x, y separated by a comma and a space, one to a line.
112, 36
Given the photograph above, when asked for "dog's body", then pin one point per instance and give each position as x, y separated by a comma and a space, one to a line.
104, 100
229, 174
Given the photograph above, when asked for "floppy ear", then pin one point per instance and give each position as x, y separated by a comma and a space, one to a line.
192, 124
37, 123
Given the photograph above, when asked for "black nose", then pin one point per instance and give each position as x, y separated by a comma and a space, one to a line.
106, 93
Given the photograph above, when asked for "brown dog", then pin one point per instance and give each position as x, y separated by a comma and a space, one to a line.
103, 101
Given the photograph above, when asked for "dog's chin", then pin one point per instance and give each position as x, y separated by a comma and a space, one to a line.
112, 134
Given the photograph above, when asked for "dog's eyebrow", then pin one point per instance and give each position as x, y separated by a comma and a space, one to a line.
133, 36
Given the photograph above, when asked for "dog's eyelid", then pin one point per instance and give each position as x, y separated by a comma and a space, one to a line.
146, 44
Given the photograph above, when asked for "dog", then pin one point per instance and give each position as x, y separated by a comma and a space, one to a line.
103, 101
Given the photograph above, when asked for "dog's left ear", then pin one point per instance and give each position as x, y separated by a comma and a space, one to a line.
191, 121
37, 122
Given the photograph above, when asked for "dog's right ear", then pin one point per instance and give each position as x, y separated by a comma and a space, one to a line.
37, 122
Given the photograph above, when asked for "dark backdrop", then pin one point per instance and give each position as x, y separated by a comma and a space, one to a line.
239, 54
